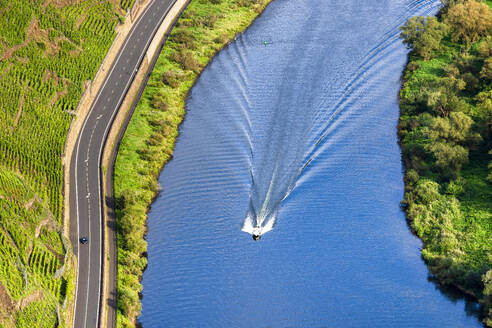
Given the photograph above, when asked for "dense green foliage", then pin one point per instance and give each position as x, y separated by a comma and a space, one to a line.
48, 49
445, 132
203, 29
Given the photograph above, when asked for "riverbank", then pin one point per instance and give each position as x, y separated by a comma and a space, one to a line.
445, 136
203, 29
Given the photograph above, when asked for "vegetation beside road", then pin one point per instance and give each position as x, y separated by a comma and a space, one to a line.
48, 50
445, 131
203, 29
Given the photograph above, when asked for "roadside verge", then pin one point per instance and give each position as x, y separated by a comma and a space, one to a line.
118, 128
203, 29
91, 89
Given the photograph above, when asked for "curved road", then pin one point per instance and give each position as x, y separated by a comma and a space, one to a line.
86, 203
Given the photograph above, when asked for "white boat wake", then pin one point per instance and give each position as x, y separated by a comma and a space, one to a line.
258, 228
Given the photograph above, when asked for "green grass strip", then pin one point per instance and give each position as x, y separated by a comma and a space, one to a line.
203, 29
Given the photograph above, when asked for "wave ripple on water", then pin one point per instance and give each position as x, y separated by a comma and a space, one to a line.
302, 118
298, 136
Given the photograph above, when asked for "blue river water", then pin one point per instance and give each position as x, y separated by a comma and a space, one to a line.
295, 137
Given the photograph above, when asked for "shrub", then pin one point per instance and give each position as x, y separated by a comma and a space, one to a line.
412, 177
486, 71
155, 139
184, 38
222, 39
172, 78
247, 3
159, 102
186, 59
210, 20
456, 187
423, 34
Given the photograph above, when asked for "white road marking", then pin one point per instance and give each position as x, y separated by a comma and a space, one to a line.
98, 176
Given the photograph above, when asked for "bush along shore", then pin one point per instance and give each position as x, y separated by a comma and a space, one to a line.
445, 136
202, 30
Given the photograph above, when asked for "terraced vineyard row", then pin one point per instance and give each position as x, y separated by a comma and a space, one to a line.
126, 4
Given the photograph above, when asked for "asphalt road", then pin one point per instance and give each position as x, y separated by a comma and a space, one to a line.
86, 194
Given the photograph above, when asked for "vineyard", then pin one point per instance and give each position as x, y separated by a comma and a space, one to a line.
126, 4
32, 256
55, 51
48, 50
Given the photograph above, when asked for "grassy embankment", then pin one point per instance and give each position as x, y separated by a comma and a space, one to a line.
204, 28
47, 50
445, 134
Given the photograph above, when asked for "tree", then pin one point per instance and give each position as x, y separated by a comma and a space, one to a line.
469, 21
485, 48
441, 95
451, 3
487, 292
455, 129
490, 168
426, 192
448, 136
486, 71
484, 106
460, 127
449, 158
472, 83
423, 34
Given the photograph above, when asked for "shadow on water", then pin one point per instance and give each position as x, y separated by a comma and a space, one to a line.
471, 307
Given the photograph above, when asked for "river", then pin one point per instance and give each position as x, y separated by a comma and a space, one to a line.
292, 128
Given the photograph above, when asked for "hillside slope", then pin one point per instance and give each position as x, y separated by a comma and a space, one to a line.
49, 49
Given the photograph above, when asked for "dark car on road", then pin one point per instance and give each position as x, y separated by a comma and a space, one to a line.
84, 240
